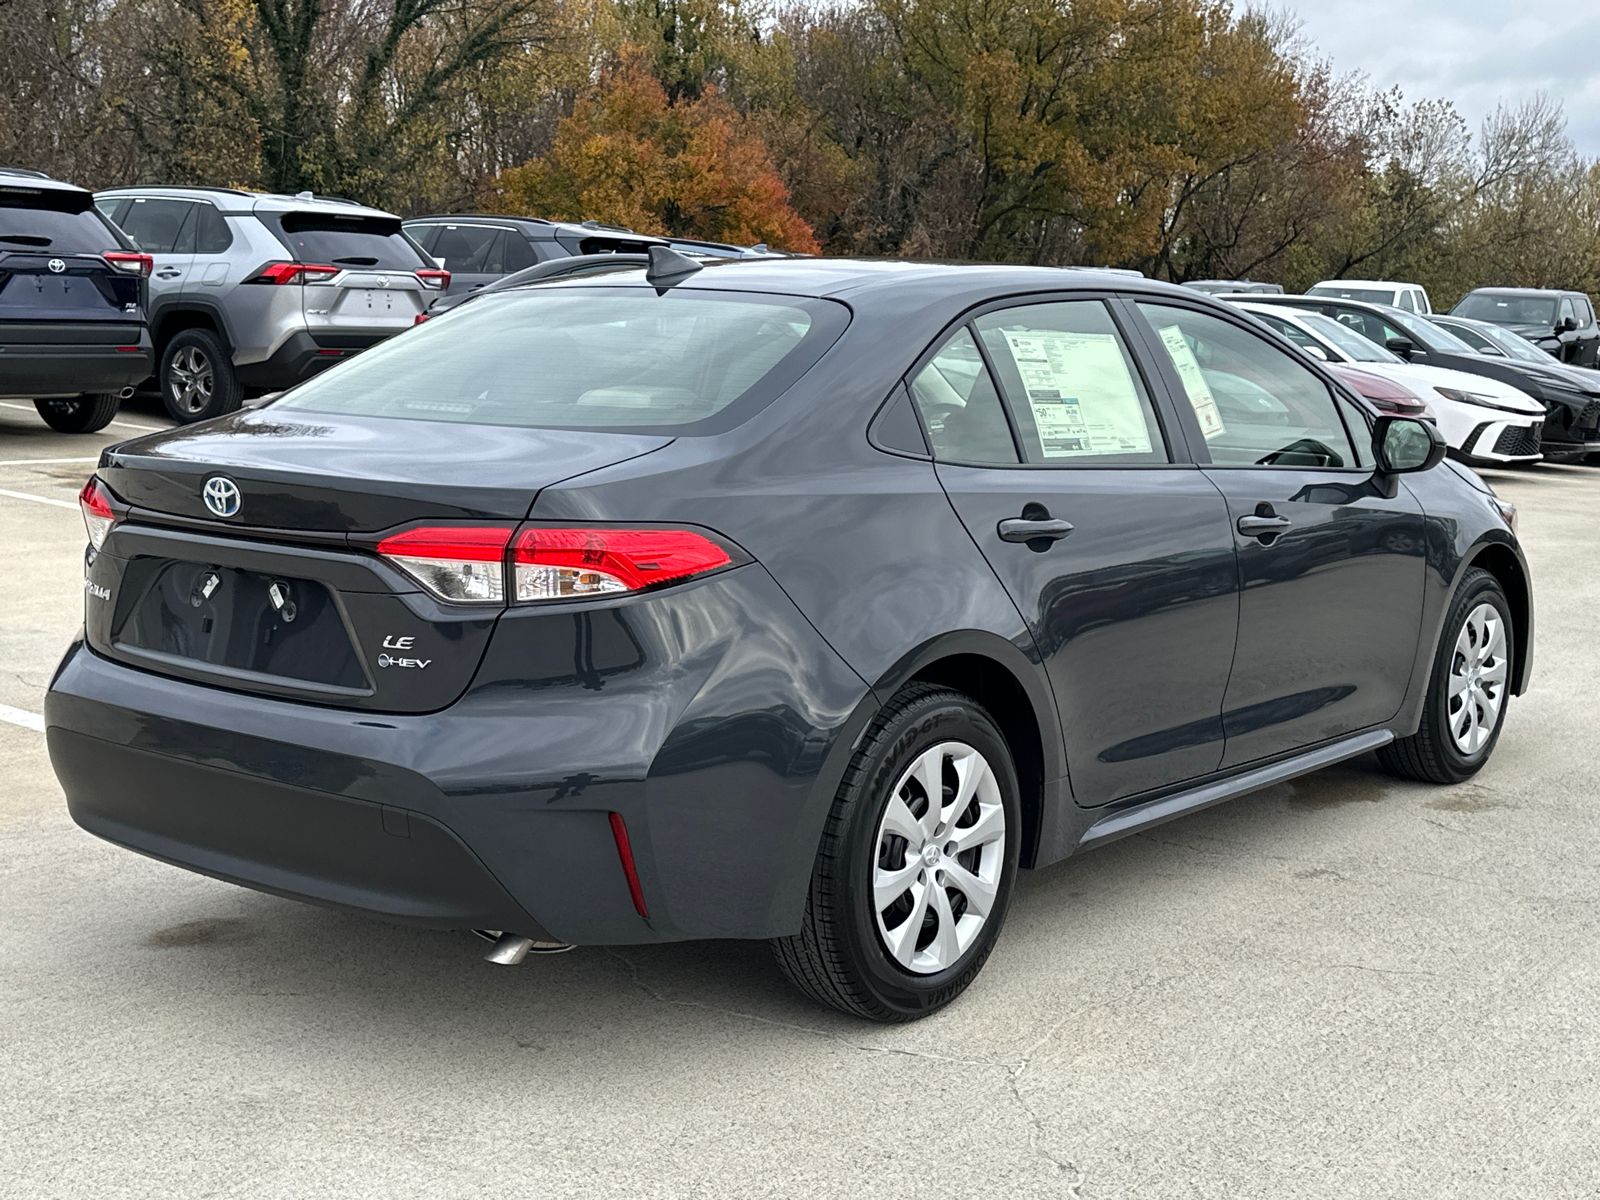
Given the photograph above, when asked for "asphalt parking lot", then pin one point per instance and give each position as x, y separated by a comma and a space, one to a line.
1345, 986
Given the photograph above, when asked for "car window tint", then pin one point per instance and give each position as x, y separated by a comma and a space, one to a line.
212, 235
423, 235
157, 225
1255, 404
469, 249
959, 406
347, 241
26, 227
517, 253
1476, 340
1071, 385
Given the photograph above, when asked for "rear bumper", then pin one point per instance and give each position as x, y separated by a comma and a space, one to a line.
303, 355
43, 372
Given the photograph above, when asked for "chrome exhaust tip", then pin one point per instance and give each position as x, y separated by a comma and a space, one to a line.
511, 948
125, 394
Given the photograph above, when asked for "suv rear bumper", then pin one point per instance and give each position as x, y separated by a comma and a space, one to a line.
44, 372
303, 355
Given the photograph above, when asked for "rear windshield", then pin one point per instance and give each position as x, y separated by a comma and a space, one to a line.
1508, 310
24, 227
587, 358
353, 241
1365, 295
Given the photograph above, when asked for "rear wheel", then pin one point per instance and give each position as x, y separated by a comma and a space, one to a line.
1468, 690
87, 414
197, 380
914, 874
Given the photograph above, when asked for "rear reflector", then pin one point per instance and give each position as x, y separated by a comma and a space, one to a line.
570, 564
625, 852
293, 272
128, 349
461, 563
95, 504
131, 263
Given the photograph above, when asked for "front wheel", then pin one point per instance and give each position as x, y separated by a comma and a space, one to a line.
914, 874
86, 414
197, 380
1467, 692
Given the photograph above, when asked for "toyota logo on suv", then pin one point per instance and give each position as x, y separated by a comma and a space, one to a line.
221, 495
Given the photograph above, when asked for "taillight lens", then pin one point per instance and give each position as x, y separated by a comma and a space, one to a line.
438, 280
293, 272
95, 503
421, 317
131, 263
464, 564
572, 564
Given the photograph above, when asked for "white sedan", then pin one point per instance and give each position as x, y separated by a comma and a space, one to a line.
1473, 411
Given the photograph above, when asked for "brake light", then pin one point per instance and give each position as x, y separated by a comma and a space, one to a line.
421, 317
293, 272
569, 564
619, 833
461, 563
131, 263
438, 280
95, 503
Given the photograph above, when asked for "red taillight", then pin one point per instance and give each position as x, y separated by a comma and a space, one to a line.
95, 503
421, 317
569, 564
439, 280
619, 831
134, 264
293, 272
461, 563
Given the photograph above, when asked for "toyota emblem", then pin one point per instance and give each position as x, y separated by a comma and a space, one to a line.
57, 266
221, 495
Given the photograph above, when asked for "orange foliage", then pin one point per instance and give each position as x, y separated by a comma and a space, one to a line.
629, 156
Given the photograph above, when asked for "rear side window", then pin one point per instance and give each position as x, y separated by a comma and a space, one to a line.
1074, 393
161, 226
959, 406
1255, 405
353, 241
27, 228
587, 358
212, 235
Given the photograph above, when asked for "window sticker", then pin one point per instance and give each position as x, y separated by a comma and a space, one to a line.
1194, 382
1083, 399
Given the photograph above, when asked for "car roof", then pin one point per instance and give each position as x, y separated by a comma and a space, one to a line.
1516, 291
540, 225
1362, 283
23, 178
236, 200
1308, 301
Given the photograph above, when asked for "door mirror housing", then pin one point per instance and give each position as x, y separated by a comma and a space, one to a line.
1316, 352
1568, 324
1404, 347
1402, 445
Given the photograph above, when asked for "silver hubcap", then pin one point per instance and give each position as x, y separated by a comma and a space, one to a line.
191, 379
940, 847
1477, 679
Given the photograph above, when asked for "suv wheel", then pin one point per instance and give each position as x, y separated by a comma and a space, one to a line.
914, 874
197, 379
87, 414
1467, 693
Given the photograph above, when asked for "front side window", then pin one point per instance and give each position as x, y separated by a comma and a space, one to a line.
1255, 405
1074, 393
575, 358
959, 406
1568, 312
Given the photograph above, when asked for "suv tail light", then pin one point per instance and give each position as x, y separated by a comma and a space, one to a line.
134, 264
293, 272
468, 564
568, 564
461, 563
95, 503
438, 280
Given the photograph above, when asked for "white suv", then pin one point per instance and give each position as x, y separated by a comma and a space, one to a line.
1408, 297
259, 292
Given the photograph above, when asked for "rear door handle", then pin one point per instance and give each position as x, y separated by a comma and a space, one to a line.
1258, 527
1021, 529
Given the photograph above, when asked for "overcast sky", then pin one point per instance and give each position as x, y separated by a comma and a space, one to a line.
1474, 52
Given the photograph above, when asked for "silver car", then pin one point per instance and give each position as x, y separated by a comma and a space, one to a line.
255, 292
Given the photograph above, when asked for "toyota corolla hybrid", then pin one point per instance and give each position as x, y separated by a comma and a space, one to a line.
1484, 421
798, 599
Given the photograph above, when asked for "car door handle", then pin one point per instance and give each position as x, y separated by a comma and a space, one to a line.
1263, 526
168, 273
1021, 529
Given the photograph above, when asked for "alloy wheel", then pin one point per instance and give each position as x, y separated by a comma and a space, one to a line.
192, 379
940, 849
1477, 679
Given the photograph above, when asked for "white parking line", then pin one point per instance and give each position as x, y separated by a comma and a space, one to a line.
43, 462
21, 716
39, 499
124, 424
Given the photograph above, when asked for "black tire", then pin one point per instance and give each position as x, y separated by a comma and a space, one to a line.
87, 414
840, 958
1431, 755
196, 377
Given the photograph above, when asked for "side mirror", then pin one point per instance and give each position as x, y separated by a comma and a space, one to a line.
1401, 346
1567, 325
1402, 445
1316, 352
